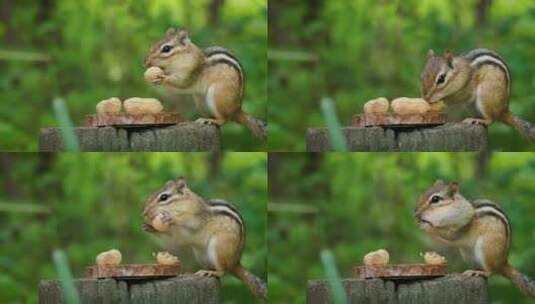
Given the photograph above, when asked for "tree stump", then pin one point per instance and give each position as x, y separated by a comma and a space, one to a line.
180, 289
448, 137
185, 136
457, 289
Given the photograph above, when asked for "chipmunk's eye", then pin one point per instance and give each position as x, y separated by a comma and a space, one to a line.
441, 78
435, 199
166, 49
163, 197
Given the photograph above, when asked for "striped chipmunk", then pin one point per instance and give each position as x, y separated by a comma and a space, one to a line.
214, 76
479, 229
480, 78
213, 230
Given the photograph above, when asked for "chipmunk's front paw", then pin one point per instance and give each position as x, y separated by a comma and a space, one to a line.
166, 218
208, 273
162, 221
477, 273
158, 79
476, 121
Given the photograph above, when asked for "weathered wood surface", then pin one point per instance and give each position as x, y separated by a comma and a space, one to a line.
457, 289
182, 289
401, 272
131, 120
132, 271
448, 137
186, 136
398, 120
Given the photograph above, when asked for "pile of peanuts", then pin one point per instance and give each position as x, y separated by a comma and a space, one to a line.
134, 105
402, 106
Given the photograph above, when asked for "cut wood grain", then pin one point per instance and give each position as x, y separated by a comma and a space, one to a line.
132, 271
400, 272
126, 120
392, 120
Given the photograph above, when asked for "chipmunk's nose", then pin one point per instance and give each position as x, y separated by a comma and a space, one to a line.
148, 228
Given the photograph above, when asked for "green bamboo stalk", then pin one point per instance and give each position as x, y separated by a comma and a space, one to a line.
329, 265
333, 125
65, 123
70, 294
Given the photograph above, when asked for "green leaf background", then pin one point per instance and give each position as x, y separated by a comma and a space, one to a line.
354, 203
355, 50
88, 203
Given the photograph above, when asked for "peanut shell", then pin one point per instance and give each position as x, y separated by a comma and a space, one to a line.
377, 105
376, 258
404, 106
138, 105
152, 74
110, 257
110, 105
165, 258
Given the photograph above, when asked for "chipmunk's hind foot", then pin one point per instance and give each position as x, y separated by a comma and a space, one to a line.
209, 122
477, 273
209, 273
477, 121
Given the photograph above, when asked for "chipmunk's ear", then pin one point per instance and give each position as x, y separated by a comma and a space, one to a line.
430, 53
438, 182
449, 58
180, 182
170, 32
183, 36
453, 188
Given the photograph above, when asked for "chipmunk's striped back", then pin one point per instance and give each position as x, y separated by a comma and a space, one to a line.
488, 208
482, 57
218, 55
222, 207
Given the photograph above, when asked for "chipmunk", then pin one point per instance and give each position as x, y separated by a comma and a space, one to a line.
479, 77
479, 228
214, 76
213, 229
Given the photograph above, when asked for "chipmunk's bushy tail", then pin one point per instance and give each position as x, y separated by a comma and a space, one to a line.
525, 128
522, 281
257, 126
254, 283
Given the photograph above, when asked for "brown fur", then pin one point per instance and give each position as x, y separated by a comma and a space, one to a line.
524, 127
187, 68
257, 286
197, 224
483, 241
523, 282
487, 85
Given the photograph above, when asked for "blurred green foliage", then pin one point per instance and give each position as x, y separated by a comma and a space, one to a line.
86, 51
356, 50
356, 203
88, 203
